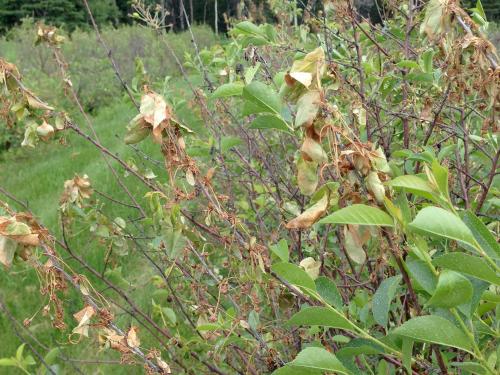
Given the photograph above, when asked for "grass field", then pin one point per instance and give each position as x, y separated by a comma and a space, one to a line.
37, 176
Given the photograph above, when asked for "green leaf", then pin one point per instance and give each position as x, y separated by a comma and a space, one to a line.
440, 222
441, 175
382, 299
482, 234
249, 28
359, 214
472, 367
427, 61
19, 352
228, 143
321, 316
51, 357
423, 275
269, 121
263, 96
228, 89
294, 275
281, 250
407, 64
328, 291
415, 185
468, 264
407, 354
319, 359
452, 290
8, 362
436, 330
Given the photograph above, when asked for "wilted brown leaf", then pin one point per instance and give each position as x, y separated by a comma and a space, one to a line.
311, 215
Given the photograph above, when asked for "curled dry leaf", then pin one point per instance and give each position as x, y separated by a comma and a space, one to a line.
154, 111
18, 231
163, 365
311, 215
307, 108
307, 176
132, 338
354, 244
110, 339
45, 131
7, 250
375, 186
312, 151
83, 318
309, 70
311, 266
437, 18
76, 191
35, 103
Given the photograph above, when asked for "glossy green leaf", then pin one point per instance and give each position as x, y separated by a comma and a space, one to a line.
440, 222
434, 329
269, 121
482, 234
263, 96
413, 184
329, 292
452, 290
281, 250
320, 316
359, 214
422, 274
468, 264
318, 359
382, 299
228, 89
471, 367
294, 275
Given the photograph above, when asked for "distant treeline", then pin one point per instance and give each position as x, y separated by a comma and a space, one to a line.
71, 14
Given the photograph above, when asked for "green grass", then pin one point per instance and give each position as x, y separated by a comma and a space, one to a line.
36, 176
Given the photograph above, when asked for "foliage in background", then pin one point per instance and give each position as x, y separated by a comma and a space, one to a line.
325, 201
91, 74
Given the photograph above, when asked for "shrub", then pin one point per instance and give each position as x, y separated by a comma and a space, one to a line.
325, 203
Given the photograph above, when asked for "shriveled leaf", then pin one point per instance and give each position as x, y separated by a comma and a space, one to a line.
307, 176
132, 337
7, 250
307, 108
83, 318
311, 215
312, 151
375, 186
353, 244
311, 266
